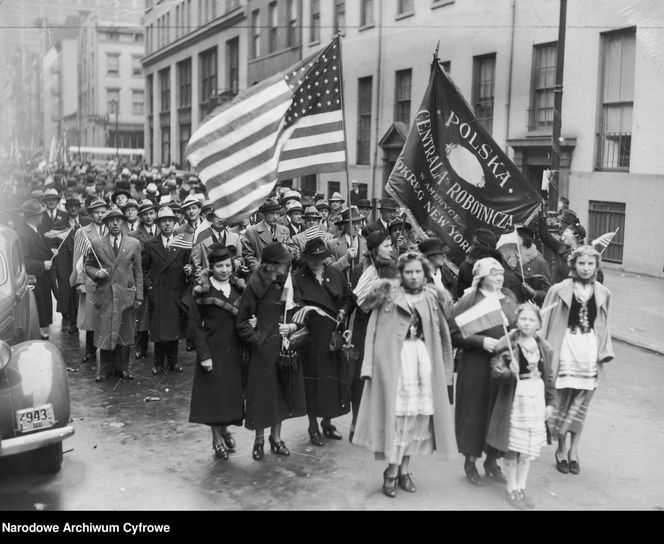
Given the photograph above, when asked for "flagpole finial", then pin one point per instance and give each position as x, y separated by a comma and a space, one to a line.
435, 53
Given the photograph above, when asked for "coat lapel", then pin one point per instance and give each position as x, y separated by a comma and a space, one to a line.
106, 249
264, 234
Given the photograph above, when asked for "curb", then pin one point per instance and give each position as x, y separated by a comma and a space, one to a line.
638, 343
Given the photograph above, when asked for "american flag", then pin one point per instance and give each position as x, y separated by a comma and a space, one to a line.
181, 241
82, 246
286, 126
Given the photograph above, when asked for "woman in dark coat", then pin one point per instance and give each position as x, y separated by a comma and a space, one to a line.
216, 396
475, 397
326, 378
267, 402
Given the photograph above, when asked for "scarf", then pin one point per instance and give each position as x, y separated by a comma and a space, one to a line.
583, 290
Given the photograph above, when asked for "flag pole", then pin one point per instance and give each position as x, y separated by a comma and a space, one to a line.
343, 117
507, 336
604, 248
63, 241
518, 249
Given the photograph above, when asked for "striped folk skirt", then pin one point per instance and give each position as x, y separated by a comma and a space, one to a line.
570, 412
527, 427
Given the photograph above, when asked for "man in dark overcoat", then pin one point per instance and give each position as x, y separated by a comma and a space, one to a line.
38, 262
166, 268
115, 266
267, 232
388, 211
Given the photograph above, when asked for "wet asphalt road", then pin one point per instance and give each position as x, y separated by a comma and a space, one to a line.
129, 454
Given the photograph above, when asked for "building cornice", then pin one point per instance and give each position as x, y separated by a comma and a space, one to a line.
225, 21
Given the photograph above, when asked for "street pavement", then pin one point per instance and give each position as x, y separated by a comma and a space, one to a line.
637, 313
129, 453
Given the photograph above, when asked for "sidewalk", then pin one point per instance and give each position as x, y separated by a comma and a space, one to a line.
637, 313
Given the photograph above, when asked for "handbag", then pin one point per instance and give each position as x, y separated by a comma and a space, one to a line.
336, 340
288, 370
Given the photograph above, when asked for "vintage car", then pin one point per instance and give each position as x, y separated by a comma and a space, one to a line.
34, 392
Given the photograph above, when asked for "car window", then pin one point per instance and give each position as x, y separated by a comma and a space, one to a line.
17, 259
4, 276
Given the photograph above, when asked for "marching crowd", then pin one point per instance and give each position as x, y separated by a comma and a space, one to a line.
312, 308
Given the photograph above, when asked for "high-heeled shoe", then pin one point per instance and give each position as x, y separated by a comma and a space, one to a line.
406, 483
220, 451
316, 438
330, 431
229, 441
278, 447
257, 454
561, 464
389, 485
472, 474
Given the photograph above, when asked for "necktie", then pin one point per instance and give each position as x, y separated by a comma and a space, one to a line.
151, 233
116, 246
274, 234
168, 242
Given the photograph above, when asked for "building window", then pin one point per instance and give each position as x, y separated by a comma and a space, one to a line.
149, 86
616, 97
366, 12
339, 16
233, 64
185, 135
136, 68
402, 90
113, 64
208, 70
255, 34
333, 187
291, 36
166, 145
274, 27
309, 184
113, 101
165, 90
314, 35
540, 115
184, 83
484, 70
364, 120
138, 102
606, 217
404, 7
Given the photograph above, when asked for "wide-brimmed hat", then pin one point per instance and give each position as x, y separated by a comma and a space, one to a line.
316, 248
376, 238
290, 193
311, 213
431, 246
152, 189
122, 188
114, 213
72, 200
51, 193
398, 222
270, 205
364, 203
146, 205
351, 214
218, 255
175, 206
30, 208
166, 213
97, 202
322, 205
294, 206
191, 200
130, 202
388, 204
336, 197
275, 253
37, 194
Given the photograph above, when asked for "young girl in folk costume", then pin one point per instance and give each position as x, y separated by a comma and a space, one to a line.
522, 367
578, 330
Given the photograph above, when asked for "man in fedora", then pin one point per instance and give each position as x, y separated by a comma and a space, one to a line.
38, 261
191, 208
86, 286
67, 297
166, 269
294, 213
388, 211
130, 210
145, 232
115, 266
122, 193
264, 233
312, 229
217, 233
364, 207
348, 246
336, 205
323, 208
51, 215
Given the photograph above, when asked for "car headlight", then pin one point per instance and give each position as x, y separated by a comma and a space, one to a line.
5, 354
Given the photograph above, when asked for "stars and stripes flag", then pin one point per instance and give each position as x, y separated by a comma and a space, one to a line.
286, 126
82, 246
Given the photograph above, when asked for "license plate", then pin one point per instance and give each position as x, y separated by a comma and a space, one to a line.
34, 419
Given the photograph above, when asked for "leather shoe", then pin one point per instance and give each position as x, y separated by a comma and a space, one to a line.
331, 432
278, 447
561, 464
514, 499
220, 452
389, 485
574, 467
315, 438
257, 454
473, 475
229, 441
494, 473
406, 483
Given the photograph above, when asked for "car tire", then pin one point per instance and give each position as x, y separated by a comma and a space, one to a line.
49, 458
